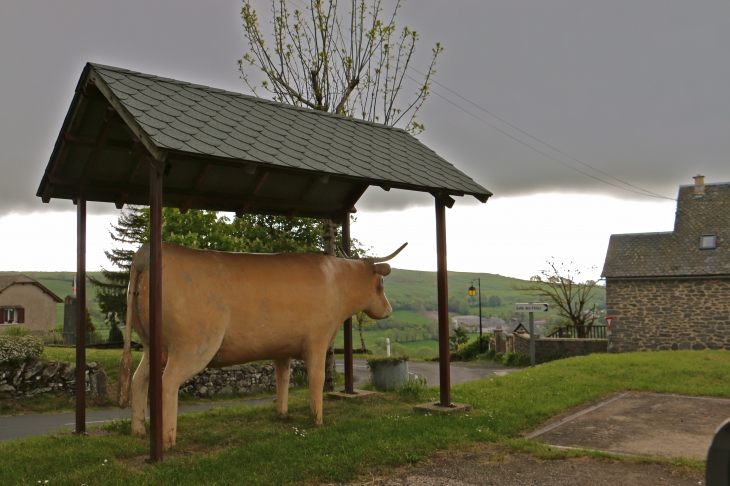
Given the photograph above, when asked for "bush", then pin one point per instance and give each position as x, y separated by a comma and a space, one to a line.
16, 331
413, 389
515, 359
469, 351
115, 334
394, 360
16, 349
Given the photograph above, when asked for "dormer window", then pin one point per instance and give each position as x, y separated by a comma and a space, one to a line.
707, 242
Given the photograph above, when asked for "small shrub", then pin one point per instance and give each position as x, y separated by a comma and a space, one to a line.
380, 360
412, 389
15, 349
17, 331
515, 359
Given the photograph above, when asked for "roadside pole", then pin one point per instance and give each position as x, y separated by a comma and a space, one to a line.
532, 308
532, 339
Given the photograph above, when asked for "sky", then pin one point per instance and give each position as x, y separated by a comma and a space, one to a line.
635, 89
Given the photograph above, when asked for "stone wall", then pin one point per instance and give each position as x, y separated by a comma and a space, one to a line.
38, 377
551, 348
240, 379
669, 314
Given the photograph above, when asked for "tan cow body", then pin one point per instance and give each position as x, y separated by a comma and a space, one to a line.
220, 309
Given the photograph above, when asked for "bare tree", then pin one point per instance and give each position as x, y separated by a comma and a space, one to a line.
560, 285
351, 63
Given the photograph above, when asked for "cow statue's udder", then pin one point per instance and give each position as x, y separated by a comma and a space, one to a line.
220, 309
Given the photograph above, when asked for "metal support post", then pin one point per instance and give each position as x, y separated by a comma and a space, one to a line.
155, 317
532, 339
481, 342
443, 305
81, 313
349, 377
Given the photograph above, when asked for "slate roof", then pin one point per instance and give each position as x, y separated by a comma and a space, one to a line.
18, 278
174, 119
677, 253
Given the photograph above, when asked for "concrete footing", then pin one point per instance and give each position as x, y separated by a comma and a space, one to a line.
341, 395
435, 407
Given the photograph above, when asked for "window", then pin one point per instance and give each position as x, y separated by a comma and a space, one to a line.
707, 242
8, 315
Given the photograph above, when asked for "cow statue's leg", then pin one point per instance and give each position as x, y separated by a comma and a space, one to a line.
140, 384
282, 367
182, 364
315, 360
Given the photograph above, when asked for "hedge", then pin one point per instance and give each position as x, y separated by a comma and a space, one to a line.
15, 349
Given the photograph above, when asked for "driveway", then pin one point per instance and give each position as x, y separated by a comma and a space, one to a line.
17, 427
460, 372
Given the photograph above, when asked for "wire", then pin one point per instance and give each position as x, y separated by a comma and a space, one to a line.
644, 192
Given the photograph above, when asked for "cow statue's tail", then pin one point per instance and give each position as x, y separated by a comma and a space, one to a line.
124, 392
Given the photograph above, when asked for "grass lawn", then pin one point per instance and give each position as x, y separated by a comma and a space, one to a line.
372, 336
239, 445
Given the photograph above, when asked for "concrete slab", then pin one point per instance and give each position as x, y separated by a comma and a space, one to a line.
435, 407
341, 395
644, 424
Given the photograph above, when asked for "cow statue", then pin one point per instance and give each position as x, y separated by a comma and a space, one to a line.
221, 309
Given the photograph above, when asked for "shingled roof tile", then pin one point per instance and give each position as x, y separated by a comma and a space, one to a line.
176, 134
167, 141
274, 133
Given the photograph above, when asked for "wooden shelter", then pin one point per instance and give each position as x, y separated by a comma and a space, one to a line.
126, 133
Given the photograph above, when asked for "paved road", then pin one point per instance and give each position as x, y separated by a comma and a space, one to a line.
27, 425
460, 372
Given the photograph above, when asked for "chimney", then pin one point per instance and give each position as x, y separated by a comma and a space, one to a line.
699, 185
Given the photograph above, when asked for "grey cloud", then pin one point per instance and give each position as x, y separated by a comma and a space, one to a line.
638, 89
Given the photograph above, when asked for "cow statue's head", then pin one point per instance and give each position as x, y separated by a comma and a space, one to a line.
378, 306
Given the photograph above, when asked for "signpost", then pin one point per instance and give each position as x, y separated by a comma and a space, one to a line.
609, 321
532, 307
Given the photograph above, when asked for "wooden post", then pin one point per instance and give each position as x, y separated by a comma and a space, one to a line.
328, 230
443, 304
81, 313
155, 317
349, 378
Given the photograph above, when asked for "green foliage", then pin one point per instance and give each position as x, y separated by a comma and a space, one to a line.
17, 331
469, 351
386, 360
413, 389
494, 301
515, 359
16, 349
458, 336
90, 327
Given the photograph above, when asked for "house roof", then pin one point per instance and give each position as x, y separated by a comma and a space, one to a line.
229, 151
677, 253
20, 279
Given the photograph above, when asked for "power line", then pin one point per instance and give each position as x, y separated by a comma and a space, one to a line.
644, 192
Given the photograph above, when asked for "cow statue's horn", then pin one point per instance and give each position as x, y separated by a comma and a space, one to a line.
385, 259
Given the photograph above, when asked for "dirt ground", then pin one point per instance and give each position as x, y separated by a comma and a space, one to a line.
490, 464
643, 424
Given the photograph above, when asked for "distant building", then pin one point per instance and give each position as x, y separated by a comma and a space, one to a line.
672, 290
471, 323
25, 302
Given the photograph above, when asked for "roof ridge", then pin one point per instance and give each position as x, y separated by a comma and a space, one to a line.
254, 98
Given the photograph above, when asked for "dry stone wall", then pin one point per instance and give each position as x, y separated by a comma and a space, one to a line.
652, 315
551, 348
240, 379
37, 377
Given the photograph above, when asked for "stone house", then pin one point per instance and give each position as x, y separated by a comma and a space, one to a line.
672, 290
25, 302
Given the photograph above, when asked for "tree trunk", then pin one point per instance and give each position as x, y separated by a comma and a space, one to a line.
362, 339
328, 229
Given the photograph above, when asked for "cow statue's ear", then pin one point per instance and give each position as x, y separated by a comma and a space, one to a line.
382, 269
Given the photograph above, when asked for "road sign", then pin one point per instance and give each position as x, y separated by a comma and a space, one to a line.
609, 321
538, 307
